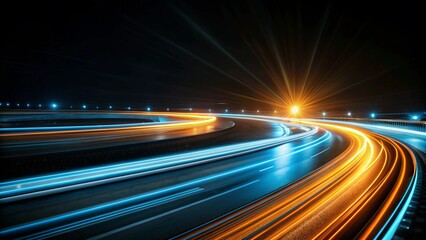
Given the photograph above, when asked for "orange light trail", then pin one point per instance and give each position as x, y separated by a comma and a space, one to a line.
53, 138
351, 196
192, 120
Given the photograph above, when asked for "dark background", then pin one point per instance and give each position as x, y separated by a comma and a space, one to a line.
149, 53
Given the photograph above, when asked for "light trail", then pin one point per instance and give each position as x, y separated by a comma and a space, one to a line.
112, 214
361, 193
392, 223
115, 231
353, 195
24, 141
191, 120
110, 206
72, 180
377, 127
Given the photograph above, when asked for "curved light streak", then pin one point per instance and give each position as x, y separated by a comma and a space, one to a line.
192, 120
361, 193
72, 180
111, 207
364, 186
44, 140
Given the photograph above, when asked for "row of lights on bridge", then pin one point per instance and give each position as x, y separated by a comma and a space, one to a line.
110, 107
56, 106
372, 115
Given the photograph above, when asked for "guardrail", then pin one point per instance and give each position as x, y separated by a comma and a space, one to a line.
405, 124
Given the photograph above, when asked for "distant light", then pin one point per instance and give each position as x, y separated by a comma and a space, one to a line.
295, 110
1, 104
242, 110
168, 109
275, 111
17, 104
226, 110
415, 117
210, 110
349, 114
39, 105
148, 109
373, 115
110, 107
70, 106
97, 107
128, 108
190, 109
8, 104
28, 104
324, 114
84, 106
54, 105
257, 111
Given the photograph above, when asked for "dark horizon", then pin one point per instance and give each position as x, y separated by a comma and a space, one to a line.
355, 57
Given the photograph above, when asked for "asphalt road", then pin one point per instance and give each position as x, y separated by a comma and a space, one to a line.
173, 202
342, 168
171, 142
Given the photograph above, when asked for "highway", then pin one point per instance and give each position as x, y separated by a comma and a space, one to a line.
331, 202
305, 179
24, 141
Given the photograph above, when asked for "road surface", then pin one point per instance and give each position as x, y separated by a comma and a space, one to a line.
283, 179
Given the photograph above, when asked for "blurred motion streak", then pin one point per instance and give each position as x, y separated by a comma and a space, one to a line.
71, 180
26, 141
355, 194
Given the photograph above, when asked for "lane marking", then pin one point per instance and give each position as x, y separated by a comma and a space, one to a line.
117, 230
110, 205
266, 168
319, 153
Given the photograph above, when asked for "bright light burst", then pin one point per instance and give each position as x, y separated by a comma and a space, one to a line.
295, 110
292, 68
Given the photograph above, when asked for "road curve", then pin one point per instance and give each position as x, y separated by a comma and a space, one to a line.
318, 180
353, 195
27, 141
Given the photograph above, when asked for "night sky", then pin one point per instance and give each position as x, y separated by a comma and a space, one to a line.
213, 54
